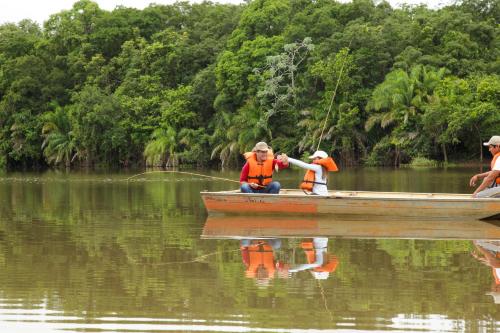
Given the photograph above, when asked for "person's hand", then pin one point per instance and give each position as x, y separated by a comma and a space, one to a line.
254, 185
473, 180
283, 158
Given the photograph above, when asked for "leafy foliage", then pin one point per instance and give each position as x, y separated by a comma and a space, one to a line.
200, 83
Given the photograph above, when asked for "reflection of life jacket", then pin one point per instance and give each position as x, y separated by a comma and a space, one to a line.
309, 178
260, 172
260, 256
497, 181
329, 265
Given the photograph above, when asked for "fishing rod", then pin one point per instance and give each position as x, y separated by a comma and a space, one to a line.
333, 96
183, 172
187, 173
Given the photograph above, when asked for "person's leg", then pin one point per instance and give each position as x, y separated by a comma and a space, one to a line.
245, 188
493, 192
273, 188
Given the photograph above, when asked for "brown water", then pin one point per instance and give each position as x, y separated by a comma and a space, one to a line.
95, 253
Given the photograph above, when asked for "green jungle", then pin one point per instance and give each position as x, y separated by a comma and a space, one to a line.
198, 84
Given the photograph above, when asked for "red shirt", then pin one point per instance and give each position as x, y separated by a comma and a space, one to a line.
246, 168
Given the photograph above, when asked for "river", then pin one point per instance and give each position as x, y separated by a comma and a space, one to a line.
93, 252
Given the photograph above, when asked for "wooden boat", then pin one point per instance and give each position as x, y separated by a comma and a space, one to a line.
242, 227
355, 203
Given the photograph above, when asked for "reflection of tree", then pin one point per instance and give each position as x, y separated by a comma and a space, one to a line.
134, 249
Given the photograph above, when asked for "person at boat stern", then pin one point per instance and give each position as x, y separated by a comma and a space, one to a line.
257, 173
490, 187
315, 179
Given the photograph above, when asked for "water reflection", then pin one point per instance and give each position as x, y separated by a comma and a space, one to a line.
320, 263
105, 255
258, 256
221, 226
488, 253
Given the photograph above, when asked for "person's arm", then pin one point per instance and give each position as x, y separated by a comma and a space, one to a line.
280, 164
487, 181
303, 267
244, 173
244, 177
303, 165
477, 177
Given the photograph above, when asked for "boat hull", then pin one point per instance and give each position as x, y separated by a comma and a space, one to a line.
348, 203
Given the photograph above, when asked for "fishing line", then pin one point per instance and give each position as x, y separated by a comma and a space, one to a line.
322, 292
188, 173
333, 97
197, 259
184, 172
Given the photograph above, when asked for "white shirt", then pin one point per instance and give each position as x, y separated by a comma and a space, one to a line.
496, 166
319, 189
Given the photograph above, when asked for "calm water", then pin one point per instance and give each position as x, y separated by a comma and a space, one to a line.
95, 253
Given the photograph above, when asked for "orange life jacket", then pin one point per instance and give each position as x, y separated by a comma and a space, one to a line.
260, 172
497, 181
329, 266
260, 255
309, 178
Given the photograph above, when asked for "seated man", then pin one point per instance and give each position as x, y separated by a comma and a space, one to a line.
257, 173
490, 187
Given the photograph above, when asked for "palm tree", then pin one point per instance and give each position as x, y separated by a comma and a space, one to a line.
162, 147
237, 134
58, 145
399, 99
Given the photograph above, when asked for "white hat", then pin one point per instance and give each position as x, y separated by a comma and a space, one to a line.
261, 146
319, 153
320, 275
494, 141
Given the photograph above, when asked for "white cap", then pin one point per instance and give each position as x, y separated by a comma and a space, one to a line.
319, 153
320, 275
494, 141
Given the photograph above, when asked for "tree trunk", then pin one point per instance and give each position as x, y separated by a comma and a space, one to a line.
480, 151
445, 155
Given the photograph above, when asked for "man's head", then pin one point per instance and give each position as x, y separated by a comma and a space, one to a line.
493, 144
261, 149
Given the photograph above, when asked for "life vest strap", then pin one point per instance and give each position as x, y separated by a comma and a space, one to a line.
259, 178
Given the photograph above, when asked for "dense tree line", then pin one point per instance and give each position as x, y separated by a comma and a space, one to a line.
201, 83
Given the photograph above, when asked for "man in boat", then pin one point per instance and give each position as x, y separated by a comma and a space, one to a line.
490, 187
257, 173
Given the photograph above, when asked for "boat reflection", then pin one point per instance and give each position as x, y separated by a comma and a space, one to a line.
251, 227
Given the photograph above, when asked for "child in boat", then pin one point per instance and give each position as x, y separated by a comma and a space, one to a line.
315, 179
